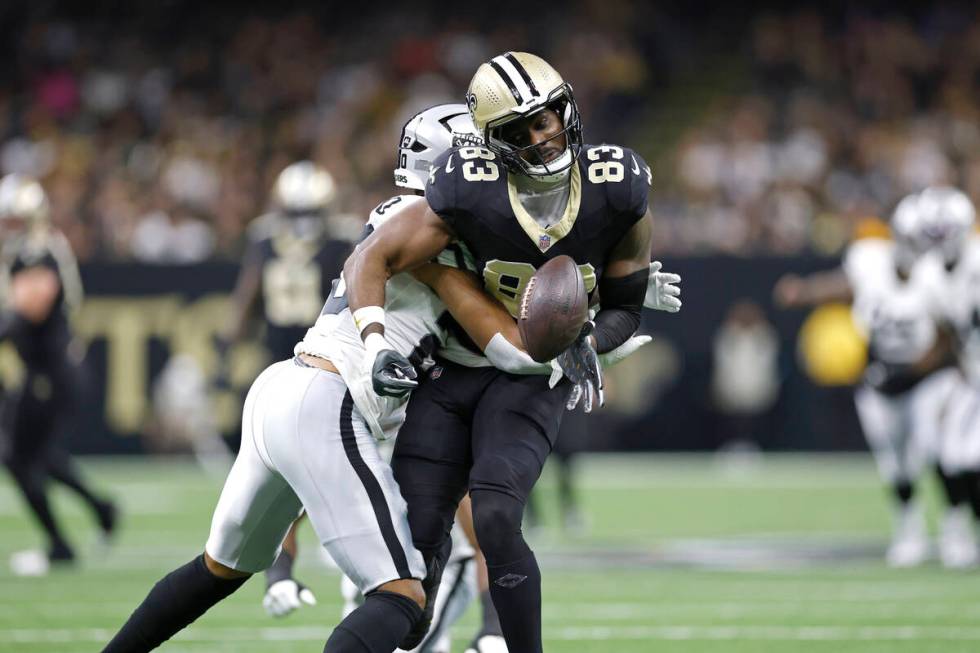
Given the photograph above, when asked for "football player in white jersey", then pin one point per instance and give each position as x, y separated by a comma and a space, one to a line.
908, 374
947, 219
308, 442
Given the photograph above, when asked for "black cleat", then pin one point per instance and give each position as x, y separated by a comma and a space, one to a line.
107, 515
61, 554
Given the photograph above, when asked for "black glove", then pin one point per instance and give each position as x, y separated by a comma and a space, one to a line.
580, 365
392, 375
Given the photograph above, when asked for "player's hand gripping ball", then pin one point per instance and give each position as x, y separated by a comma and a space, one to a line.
553, 309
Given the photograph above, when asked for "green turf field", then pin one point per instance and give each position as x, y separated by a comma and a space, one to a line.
686, 554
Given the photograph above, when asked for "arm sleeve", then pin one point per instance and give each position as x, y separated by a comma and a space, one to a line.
620, 307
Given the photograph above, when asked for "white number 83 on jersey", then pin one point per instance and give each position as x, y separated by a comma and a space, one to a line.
602, 171
478, 164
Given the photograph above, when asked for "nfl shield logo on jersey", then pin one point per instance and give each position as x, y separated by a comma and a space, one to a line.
435, 372
544, 242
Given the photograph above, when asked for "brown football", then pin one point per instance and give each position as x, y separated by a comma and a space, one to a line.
552, 309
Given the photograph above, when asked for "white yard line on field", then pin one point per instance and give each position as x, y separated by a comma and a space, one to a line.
577, 633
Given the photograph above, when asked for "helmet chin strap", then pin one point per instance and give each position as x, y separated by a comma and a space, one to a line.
542, 173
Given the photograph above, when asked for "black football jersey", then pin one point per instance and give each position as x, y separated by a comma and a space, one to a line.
44, 346
295, 281
473, 192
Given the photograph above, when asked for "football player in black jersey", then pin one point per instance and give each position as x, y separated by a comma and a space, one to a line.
535, 191
293, 253
39, 285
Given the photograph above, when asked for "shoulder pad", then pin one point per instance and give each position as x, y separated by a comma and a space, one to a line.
624, 175
263, 227
459, 178
868, 259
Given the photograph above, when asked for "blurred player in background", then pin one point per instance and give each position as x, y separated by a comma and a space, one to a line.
947, 218
907, 379
39, 287
293, 253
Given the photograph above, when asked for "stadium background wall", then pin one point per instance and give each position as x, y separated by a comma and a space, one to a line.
136, 316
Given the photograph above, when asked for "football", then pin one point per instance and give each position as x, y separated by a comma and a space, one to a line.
553, 308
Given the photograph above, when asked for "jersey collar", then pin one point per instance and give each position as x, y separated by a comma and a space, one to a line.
544, 239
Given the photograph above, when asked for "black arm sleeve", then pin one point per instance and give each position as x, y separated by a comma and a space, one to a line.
621, 302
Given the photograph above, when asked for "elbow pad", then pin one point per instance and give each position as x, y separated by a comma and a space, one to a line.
512, 360
620, 309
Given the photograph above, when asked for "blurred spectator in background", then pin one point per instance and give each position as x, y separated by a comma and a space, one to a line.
745, 378
160, 135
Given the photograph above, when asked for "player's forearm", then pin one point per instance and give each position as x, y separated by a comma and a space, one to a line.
620, 310
474, 310
365, 273
623, 288
485, 320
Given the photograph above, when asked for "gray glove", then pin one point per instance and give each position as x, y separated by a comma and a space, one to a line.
580, 365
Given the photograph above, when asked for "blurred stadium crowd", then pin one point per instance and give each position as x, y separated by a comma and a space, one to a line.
158, 132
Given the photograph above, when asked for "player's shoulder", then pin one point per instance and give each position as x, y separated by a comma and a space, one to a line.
463, 179
264, 227
868, 259
620, 173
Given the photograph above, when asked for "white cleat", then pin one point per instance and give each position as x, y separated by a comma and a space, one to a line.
29, 563
909, 546
488, 644
957, 541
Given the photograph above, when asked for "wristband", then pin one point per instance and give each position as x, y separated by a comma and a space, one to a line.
367, 315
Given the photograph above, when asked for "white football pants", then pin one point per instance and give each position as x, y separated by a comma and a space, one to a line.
304, 445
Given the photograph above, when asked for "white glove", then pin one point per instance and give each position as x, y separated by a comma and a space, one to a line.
662, 294
622, 352
286, 595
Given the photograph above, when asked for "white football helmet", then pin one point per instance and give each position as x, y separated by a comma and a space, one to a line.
514, 86
946, 217
427, 135
23, 198
303, 188
907, 232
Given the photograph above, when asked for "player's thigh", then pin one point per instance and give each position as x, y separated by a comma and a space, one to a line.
514, 429
961, 430
928, 404
433, 451
257, 504
332, 462
880, 417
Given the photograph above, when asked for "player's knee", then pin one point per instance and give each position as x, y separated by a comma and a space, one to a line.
430, 519
407, 587
223, 571
496, 519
